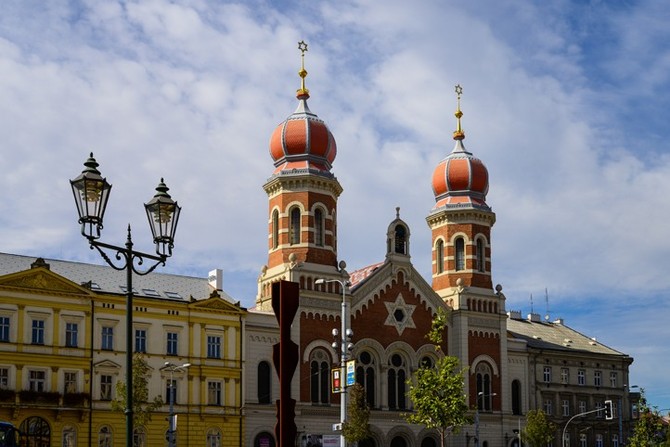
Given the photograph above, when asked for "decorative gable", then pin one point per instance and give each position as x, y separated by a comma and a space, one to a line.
42, 280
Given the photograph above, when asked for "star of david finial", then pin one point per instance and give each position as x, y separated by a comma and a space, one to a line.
302, 46
458, 134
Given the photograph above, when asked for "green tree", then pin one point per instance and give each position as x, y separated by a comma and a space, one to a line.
438, 397
539, 430
649, 429
356, 427
142, 407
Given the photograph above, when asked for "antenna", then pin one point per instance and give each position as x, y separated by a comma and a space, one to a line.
546, 298
531, 304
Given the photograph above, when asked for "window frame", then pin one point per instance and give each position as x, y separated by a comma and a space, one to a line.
71, 334
214, 346
141, 340
459, 254
172, 343
37, 330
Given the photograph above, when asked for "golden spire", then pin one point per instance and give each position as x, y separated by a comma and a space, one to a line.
458, 133
303, 91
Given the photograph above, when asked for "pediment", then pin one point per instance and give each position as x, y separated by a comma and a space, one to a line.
106, 364
42, 280
216, 303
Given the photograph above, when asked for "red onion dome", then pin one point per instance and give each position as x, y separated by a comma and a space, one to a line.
460, 179
303, 140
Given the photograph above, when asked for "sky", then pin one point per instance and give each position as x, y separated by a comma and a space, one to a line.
566, 102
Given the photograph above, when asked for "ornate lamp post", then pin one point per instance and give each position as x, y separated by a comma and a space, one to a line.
91, 192
172, 440
344, 345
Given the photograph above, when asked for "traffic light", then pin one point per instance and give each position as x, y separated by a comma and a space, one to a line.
608, 410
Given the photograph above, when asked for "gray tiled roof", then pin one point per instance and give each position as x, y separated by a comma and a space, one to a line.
555, 336
154, 285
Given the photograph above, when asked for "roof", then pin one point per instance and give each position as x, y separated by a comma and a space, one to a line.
103, 278
556, 336
358, 276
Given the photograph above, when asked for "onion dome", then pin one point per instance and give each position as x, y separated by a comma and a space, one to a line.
302, 141
460, 180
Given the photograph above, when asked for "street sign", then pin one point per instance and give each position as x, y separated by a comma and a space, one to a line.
351, 372
336, 380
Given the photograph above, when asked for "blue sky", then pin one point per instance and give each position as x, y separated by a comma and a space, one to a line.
565, 102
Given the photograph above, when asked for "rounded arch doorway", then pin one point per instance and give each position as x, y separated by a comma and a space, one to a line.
36, 432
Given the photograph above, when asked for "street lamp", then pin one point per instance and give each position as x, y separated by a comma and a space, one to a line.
172, 439
91, 192
345, 345
481, 396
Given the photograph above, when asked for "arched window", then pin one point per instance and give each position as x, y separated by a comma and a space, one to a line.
140, 437
294, 229
213, 437
264, 381
484, 393
69, 437
460, 254
397, 378
398, 441
516, 397
427, 362
264, 439
319, 377
400, 240
439, 256
365, 375
428, 442
36, 432
275, 229
105, 437
318, 227
481, 264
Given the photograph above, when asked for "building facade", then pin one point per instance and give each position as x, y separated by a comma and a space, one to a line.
62, 353
62, 347
390, 307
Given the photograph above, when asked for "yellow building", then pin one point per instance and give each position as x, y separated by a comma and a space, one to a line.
62, 352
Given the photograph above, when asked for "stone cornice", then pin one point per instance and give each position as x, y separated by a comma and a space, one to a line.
302, 182
460, 216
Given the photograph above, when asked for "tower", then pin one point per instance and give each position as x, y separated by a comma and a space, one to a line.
302, 197
461, 223
461, 220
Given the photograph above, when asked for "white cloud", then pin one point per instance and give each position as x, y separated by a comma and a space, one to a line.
192, 90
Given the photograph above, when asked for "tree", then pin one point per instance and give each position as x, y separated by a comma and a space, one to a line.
438, 397
539, 430
649, 429
356, 427
142, 407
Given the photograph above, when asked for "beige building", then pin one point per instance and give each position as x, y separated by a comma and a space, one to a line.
62, 352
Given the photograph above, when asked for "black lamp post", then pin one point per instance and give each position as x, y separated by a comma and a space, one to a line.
91, 192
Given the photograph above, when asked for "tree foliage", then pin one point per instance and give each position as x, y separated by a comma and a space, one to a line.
437, 391
356, 427
142, 407
649, 429
539, 431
